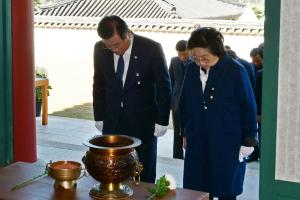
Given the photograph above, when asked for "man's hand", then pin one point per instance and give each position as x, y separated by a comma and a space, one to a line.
160, 130
99, 125
245, 152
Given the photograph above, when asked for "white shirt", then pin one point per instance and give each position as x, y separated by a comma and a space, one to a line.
126, 57
203, 78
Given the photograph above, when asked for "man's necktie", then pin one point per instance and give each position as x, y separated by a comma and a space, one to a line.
120, 68
204, 70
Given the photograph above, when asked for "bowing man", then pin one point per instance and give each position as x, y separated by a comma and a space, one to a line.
132, 89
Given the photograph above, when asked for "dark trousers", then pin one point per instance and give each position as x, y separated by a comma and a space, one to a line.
178, 138
147, 151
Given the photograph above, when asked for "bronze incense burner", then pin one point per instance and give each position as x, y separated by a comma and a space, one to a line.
111, 159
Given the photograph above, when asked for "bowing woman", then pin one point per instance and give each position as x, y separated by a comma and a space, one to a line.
219, 114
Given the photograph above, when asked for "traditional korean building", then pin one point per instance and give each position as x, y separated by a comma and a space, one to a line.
68, 22
153, 9
174, 16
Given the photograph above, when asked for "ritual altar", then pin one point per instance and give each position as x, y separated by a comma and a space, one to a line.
43, 188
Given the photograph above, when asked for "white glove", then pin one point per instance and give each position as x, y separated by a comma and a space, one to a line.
160, 130
99, 125
245, 152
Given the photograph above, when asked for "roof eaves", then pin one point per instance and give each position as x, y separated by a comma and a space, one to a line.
155, 25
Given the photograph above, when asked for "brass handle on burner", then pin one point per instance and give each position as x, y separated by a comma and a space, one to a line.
83, 173
138, 170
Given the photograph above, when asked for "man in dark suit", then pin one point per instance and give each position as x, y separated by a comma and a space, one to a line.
132, 89
248, 66
257, 57
176, 71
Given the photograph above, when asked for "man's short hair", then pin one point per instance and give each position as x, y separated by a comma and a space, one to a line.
261, 45
181, 45
207, 37
257, 51
109, 25
231, 53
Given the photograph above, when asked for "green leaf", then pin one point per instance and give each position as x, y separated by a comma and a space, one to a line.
161, 187
151, 190
39, 73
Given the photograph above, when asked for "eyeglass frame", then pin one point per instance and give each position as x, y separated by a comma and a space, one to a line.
116, 46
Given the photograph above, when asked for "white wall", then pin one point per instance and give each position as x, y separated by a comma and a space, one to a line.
288, 113
67, 55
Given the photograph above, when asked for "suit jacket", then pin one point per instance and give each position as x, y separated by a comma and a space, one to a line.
259, 76
145, 97
176, 71
250, 70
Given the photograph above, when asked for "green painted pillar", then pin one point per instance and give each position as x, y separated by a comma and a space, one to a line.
6, 118
272, 188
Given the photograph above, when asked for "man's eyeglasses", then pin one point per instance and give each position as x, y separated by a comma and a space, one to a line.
113, 47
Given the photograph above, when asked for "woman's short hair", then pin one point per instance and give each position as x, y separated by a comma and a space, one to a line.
207, 37
109, 25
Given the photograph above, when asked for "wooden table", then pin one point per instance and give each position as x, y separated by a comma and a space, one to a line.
43, 83
43, 188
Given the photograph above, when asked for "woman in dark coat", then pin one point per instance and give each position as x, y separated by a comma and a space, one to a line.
219, 114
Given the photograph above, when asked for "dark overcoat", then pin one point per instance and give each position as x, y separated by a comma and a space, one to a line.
217, 123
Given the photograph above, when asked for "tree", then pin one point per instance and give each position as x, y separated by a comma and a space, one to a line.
36, 3
259, 11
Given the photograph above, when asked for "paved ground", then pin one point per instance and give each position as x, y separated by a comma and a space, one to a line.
62, 139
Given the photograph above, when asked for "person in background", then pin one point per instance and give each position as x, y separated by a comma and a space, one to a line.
248, 66
257, 57
261, 45
218, 111
259, 77
132, 89
176, 71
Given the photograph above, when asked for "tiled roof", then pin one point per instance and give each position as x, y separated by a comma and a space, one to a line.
155, 25
157, 9
234, 2
100, 8
206, 9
